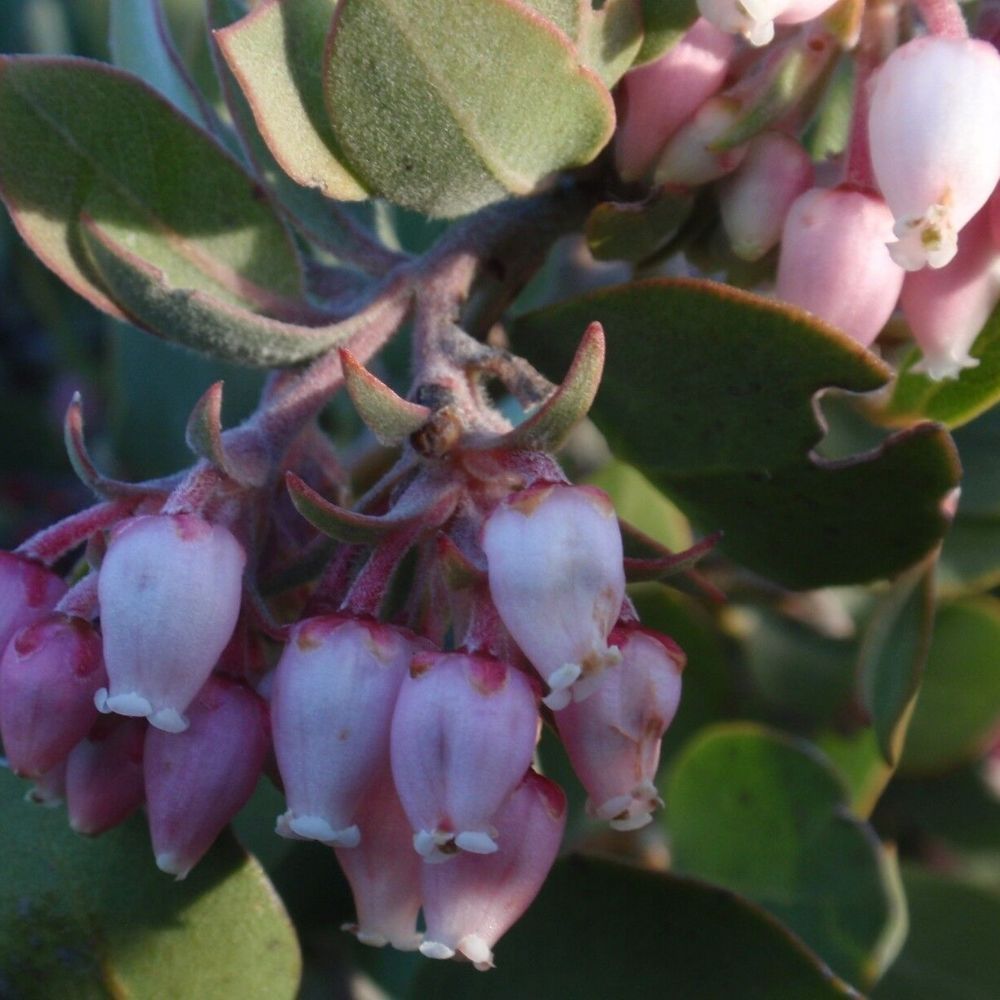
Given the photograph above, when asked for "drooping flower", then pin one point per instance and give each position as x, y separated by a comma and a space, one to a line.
554, 557
27, 592
169, 590
935, 142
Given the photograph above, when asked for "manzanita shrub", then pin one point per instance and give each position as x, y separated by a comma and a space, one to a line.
581, 592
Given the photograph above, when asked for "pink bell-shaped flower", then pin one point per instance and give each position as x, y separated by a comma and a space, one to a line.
104, 780
384, 870
199, 779
947, 308
169, 590
613, 739
472, 902
48, 675
334, 694
27, 592
834, 263
934, 135
754, 201
753, 19
690, 157
655, 99
463, 734
554, 556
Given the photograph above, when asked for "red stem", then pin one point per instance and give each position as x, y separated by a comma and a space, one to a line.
52, 543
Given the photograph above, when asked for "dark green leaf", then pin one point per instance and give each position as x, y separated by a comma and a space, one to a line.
970, 557
664, 21
600, 930
959, 703
893, 653
447, 105
709, 392
764, 815
633, 232
96, 918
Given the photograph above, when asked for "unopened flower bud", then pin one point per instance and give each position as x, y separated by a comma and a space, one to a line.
947, 308
463, 734
334, 694
834, 263
48, 675
655, 99
384, 870
935, 142
554, 556
49, 789
104, 781
755, 200
691, 158
169, 590
27, 592
472, 902
199, 779
613, 739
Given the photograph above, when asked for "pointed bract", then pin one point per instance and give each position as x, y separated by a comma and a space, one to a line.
554, 555
384, 870
199, 779
463, 734
334, 694
169, 589
613, 739
935, 142
471, 903
49, 673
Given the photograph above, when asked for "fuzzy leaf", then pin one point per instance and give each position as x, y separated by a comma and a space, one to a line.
958, 708
709, 392
664, 21
567, 15
96, 918
276, 54
447, 105
600, 929
635, 231
611, 39
81, 138
388, 416
765, 815
894, 652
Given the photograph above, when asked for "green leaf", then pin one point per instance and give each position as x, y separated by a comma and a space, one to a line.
858, 758
893, 654
952, 402
447, 105
79, 138
764, 815
664, 21
950, 953
276, 54
958, 708
96, 918
611, 39
635, 231
710, 391
600, 930
567, 15
970, 556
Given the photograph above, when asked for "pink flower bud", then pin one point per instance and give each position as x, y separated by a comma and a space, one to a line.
613, 739
199, 779
104, 782
169, 589
463, 735
556, 576
472, 902
384, 870
655, 99
754, 202
935, 142
48, 676
753, 19
331, 707
27, 592
834, 262
947, 308
691, 158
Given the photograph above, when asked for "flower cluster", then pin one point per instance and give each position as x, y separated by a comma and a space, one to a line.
901, 219
403, 728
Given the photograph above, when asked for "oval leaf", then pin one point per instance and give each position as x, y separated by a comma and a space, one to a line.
766, 816
710, 393
447, 105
